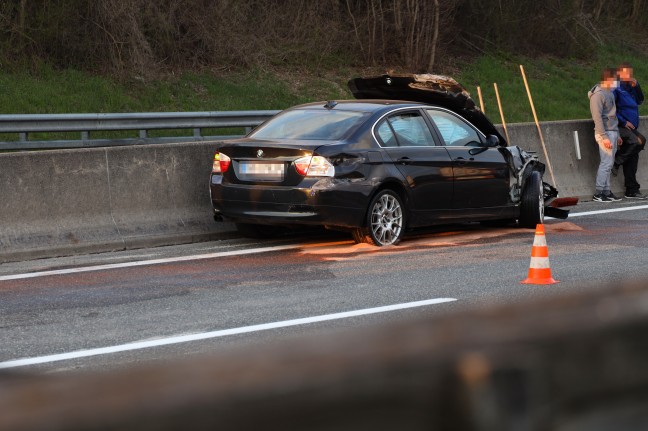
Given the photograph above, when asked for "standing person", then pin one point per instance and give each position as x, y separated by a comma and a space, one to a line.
628, 96
606, 132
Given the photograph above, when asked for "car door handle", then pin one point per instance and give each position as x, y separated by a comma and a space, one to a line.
404, 161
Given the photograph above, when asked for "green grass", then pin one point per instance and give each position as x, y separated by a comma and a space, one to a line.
69, 91
559, 88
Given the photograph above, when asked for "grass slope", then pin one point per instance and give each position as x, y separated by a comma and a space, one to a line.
559, 88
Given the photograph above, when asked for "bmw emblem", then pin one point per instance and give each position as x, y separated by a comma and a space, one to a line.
259, 153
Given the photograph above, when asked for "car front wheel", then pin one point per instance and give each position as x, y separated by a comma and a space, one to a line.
532, 205
385, 223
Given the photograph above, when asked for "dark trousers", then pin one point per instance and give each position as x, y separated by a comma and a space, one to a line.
628, 156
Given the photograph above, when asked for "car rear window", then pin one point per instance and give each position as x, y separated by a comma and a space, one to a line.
311, 124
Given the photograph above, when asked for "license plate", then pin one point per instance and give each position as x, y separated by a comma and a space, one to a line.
262, 170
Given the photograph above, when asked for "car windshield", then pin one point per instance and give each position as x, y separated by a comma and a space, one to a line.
311, 124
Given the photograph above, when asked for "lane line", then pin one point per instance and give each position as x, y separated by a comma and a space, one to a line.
149, 262
606, 211
234, 253
216, 334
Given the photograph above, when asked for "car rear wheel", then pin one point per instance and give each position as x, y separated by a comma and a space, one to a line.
532, 205
385, 221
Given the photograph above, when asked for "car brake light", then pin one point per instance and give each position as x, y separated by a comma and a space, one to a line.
314, 166
302, 164
221, 163
216, 164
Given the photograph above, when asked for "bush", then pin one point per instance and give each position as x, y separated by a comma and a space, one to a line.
144, 37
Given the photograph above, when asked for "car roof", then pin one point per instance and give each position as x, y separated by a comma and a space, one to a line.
380, 106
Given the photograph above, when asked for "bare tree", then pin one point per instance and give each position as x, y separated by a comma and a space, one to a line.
435, 37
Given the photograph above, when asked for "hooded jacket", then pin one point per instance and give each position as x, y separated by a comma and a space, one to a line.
603, 110
627, 99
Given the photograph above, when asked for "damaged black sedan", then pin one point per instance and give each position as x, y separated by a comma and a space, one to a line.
378, 166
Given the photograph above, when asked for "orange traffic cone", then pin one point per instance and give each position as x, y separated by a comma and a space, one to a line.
539, 271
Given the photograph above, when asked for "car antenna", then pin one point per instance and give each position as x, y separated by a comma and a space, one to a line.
330, 104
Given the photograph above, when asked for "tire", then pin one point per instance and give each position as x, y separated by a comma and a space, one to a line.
250, 230
532, 204
385, 220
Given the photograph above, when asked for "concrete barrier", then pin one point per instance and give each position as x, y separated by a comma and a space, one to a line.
574, 177
66, 202
91, 200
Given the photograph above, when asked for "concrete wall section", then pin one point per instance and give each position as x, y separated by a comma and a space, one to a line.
161, 191
90, 200
574, 177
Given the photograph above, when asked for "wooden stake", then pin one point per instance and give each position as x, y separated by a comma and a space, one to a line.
499, 104
535, 117
481, 101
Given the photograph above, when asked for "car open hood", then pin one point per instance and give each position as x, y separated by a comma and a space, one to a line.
436, 90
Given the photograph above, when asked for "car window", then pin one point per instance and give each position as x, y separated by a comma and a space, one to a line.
411, 130
311, 124
454, 131
386, 135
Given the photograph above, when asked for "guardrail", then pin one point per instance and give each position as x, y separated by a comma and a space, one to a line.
142, 123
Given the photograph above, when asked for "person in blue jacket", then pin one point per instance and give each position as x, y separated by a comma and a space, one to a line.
628, 96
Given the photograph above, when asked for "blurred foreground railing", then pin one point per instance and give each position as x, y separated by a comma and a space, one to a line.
94, 129
572, 362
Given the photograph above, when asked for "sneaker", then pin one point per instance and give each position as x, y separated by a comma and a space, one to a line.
612, 197
600, 197
636, 195
615, 170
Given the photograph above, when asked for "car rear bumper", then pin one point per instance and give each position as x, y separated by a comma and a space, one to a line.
325, 202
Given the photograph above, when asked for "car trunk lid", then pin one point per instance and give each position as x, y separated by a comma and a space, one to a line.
266, 162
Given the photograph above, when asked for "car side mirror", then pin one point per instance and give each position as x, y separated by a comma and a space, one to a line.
492, 141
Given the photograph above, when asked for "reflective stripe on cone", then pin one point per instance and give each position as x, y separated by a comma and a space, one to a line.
539, 270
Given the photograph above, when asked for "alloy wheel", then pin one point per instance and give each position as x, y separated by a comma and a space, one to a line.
386, 220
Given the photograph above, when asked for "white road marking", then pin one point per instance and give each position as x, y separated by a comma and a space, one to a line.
215, 334
149, 262
230, 253
611, 210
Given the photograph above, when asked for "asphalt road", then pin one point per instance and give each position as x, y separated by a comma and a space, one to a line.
76, 313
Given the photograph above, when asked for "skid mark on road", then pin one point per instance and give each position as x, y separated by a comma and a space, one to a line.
420, 242
565, 226
341, 248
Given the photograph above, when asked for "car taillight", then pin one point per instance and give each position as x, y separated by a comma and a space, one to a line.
221, 163
314, 166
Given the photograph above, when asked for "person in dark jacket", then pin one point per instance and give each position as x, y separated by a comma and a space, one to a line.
628, 96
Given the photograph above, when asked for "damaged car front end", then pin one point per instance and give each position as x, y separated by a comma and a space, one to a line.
523, 164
